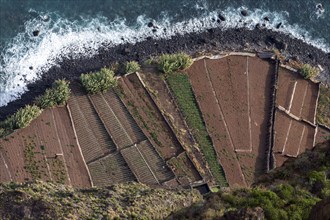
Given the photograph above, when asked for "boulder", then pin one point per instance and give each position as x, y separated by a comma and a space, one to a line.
266, 18
278, 25
36, 33
221, 17
244, 12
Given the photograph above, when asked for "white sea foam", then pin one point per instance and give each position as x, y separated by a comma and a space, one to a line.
60, 38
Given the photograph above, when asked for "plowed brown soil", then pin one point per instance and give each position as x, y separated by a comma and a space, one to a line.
159, 91
292, 137
45, 150
214, 119
234, 97
296, 94
148, 117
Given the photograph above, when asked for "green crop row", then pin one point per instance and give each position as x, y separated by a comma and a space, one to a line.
181, 88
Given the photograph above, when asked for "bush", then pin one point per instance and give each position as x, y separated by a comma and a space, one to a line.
99, 81
307, 71
169, 63
132, 67
57, 95
23, 117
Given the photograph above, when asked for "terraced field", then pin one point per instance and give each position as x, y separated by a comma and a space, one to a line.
208, 125
47, 150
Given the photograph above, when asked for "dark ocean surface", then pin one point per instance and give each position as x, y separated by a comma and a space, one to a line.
36, 34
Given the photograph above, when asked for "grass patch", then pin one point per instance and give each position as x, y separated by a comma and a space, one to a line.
181, 88
323, 108
169, 63
57, 95
100, 81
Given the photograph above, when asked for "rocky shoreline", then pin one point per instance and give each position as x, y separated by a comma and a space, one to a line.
212, 40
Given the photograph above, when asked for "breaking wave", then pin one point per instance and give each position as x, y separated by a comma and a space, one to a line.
49, 38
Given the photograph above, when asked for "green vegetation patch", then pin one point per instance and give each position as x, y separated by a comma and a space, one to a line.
282, 202
100, 81
169, 63
286, 193
41, 200
323, 108
57, 95
22, 118
181, 88
307, 71
132, 67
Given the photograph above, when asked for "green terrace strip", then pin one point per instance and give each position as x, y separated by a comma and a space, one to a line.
323, 108
98, 82
181, 88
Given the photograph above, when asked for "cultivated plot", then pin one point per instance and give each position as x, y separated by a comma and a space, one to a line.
297, 95
46, 150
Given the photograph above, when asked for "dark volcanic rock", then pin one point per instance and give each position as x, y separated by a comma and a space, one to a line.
244, 12
150, 24
35, 33
279, 44
215, 39
221, 17
266, 18
278, 25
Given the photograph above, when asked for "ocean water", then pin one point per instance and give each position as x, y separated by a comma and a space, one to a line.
70, 28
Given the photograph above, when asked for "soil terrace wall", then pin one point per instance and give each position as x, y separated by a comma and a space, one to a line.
270, 138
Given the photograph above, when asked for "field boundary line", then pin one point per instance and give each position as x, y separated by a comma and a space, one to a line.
316, 102
315, 133
303, 101
292, 116
223, 55
287, 136
61, 149
146, 163
271, 160
248, 99
292, 96
6, 165
288, 67
113, 113
77, 141
302, 136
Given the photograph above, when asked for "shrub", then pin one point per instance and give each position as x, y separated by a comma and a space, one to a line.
99, 81
23, 117
169, 63
57, 95
307, 71
132, 67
